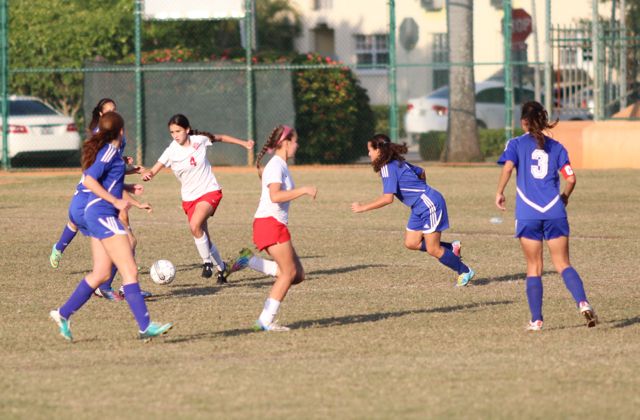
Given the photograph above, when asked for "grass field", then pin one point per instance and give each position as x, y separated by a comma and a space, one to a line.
378, 331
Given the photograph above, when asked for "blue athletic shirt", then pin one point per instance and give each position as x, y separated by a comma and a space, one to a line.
83, 191
108, 170
538, 180
402, 180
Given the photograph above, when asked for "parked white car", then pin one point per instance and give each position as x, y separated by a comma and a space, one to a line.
37, 129
429, 113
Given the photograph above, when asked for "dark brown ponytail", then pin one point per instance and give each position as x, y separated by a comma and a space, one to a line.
537, 120
272, 143
388, 151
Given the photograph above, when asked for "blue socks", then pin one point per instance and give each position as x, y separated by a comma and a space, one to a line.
134, 298
453, 262
79, 297
534, 297
66, 238
423, 245
574, 283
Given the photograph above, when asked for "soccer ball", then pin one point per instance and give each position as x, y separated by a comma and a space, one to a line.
162, 272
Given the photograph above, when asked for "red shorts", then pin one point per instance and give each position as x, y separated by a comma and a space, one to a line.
213, 198
268, 231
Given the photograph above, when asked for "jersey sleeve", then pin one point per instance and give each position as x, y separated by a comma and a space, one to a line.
510, 153
389, 176
563, 157
102, 163
165, 157
272, 174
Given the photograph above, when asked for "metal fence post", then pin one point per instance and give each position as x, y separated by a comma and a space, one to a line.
248, 36
623, 55
508, 79
548, 58
138, 83
393, 99
4, 83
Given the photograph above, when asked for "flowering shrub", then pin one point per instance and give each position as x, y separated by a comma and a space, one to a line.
333, 116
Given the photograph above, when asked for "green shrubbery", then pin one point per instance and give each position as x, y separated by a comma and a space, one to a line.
491, 143
382, 119
332, 113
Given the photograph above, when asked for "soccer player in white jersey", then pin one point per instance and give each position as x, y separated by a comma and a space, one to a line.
270, 231
540, 209
201, 193
428, 208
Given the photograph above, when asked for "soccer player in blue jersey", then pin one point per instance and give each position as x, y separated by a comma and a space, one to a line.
103, 174
540, 208
79, 201
428, 208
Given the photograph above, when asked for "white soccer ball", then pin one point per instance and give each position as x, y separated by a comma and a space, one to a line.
162, 272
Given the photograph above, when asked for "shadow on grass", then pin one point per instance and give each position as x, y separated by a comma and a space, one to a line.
345, 320
622, 323
509, 277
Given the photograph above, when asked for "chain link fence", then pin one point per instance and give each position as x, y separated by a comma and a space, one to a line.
68, 56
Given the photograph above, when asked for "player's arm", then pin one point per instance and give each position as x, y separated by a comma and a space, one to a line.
224, 138
383, 200
133, 201
570, 183
278, 195
152, 172
505, 175
95, 187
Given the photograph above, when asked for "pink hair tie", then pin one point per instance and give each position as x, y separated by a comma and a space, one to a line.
286, 130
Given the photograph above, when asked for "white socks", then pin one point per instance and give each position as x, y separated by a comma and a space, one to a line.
267, 267
207, 253
269, 311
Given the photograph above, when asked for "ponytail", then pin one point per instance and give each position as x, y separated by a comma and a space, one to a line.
537, 120
97, 111
388, 151
279, 134
110, 127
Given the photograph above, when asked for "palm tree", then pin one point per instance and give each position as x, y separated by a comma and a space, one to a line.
462, 141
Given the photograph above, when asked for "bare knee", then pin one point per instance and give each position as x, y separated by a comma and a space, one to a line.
196, 230
412, 245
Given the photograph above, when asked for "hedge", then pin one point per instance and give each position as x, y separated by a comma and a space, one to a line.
491, 143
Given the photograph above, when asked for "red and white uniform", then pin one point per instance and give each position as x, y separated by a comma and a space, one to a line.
191, 166
270, 222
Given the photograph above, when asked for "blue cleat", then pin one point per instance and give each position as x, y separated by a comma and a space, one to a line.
145, 294
240, 263
465, 278
63, 324
108, 294
153, 330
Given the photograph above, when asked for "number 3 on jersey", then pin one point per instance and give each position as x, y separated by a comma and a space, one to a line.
192, 161
540, 170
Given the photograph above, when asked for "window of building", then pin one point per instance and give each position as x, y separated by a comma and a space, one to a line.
322, 4
440, 50
372, 50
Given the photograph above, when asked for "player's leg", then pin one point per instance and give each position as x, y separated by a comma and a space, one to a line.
532, 249
119, 251
198, 226
68, 233
288, 265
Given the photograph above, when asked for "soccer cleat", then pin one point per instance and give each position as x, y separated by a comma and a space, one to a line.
465, 278
63, 324
241, 262
108, 294
55, 257
207, 270
144, 293
456, 248
274, 326
534, 325
153, 330
589, 314
222, 276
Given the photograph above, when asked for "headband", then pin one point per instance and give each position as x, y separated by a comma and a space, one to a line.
286, 130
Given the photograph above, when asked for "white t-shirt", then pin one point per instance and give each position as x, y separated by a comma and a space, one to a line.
191, 166
277, 172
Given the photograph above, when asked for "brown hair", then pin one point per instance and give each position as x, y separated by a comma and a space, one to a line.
537, 119
388, 151
110, 126
95, 114
183, 122
272, 143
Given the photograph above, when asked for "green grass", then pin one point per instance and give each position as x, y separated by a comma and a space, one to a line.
378, 331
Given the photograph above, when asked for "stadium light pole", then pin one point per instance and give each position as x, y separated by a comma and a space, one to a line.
4, 64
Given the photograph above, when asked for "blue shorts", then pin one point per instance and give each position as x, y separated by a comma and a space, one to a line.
429, 213
542, 229
76, 212
102, 221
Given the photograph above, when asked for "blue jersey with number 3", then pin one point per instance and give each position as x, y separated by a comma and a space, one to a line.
538, 180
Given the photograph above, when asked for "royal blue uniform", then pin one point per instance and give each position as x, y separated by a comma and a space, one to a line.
540, 212
428, 207
101, 217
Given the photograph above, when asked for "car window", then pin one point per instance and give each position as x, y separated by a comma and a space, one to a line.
29, 107
491, 95
524, 95
442, 93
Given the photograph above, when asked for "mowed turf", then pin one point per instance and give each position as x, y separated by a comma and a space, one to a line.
378, 331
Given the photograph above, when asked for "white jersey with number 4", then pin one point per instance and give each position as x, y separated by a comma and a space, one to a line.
191, 166
277, 172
